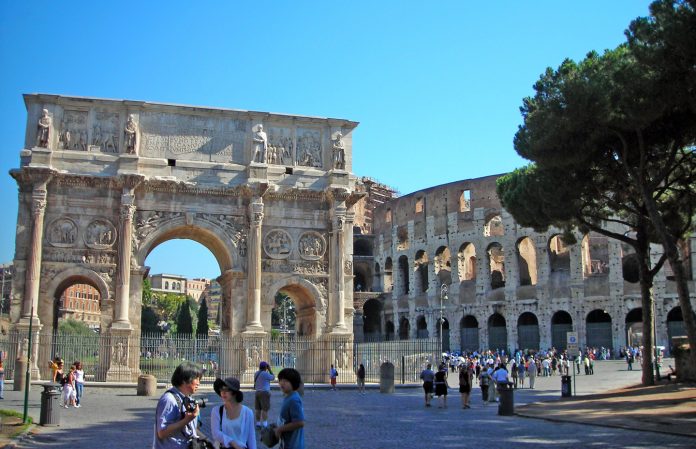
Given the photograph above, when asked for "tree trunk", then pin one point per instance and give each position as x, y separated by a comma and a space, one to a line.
675, 261
647, 306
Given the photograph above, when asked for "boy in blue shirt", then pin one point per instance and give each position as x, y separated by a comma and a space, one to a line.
291, 421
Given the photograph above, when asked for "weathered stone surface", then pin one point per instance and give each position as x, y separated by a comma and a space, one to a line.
104, 182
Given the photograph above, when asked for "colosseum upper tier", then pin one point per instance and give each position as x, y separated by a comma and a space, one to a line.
450, 261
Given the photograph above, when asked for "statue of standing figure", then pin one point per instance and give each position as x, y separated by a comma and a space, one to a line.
260, 145
131, 132
43, 130
339, 152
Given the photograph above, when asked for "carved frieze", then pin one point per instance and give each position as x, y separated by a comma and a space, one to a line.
309, 147
62, 233
73, 131
322, 284
200, 138
105, 132
281, 146
100, 234
297, 267
148, 221
311, 246
277, 244
309, 268
81, 256
233, 225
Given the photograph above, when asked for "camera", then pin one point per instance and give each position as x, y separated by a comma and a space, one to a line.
191, 403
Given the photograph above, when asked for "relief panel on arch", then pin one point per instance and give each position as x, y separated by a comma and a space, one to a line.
192, 138
62, 233
281, 146
309, 148
277, 244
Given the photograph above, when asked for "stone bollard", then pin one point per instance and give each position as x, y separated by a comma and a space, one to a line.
20, 373
147, 385
386, 378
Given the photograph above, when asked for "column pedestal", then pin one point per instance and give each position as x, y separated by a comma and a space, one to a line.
120, 357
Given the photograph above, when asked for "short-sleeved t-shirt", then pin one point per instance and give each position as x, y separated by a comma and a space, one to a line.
427, 375
292, 411
169, 412
263, 381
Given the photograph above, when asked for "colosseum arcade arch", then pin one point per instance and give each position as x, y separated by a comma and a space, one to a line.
443, 266
675, 324
528, 331
404, 328
469, 334
372, 320
599, 332
634, 327
561, 324
497, 332
270, 195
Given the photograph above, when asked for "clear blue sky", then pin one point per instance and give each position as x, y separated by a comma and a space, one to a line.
436, 86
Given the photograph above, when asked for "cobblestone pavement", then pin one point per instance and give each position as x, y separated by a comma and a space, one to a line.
116, 418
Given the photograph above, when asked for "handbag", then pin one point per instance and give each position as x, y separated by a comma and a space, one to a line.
200, 443
268, 435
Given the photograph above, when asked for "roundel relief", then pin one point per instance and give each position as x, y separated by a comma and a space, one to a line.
312, 246
277, 244
62, 233
100, 234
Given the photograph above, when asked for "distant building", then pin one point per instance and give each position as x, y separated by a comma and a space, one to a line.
213, 298
196, 287
168, 283
81, 302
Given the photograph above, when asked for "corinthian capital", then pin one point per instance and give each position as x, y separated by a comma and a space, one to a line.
256, 212
127, 212
38, 205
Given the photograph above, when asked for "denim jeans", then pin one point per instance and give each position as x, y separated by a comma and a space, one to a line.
79, 386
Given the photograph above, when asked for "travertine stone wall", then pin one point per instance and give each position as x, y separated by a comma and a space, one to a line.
587, 276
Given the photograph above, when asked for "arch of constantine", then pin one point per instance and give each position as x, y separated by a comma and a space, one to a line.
104, 182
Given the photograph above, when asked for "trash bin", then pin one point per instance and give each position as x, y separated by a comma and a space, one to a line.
386, 378
50, 403
566, 387
506, 406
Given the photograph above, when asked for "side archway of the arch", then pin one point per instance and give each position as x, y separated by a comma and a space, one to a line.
68, 277
308, 300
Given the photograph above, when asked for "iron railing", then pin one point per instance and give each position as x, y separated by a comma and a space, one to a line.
159, 354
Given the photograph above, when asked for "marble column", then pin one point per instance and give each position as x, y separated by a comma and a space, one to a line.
253, 322
338, 324
33, 273
122, 320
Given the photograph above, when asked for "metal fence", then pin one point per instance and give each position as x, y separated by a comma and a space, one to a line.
159, 354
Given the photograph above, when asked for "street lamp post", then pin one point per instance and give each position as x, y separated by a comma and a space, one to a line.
443, 296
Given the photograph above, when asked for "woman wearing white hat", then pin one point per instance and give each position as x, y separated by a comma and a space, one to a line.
232, 423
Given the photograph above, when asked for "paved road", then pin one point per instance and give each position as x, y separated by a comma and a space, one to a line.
116, 418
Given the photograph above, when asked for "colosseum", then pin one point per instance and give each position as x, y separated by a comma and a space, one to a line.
449, 260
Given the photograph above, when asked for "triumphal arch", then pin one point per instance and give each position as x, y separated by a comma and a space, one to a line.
103, 182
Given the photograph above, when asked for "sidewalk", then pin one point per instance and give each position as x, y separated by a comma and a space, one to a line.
665, 408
